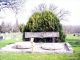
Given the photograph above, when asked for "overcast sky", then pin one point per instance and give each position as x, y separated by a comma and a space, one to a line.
73, 6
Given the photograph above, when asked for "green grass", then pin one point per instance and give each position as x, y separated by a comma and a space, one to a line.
73, 40
7, 42
71, 37
3, 43
35, 56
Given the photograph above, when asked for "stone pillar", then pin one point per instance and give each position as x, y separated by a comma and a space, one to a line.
53, 39
32, 44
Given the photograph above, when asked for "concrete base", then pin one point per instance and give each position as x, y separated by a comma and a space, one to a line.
38, 47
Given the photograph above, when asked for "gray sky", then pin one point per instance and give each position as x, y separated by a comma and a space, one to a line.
73, 6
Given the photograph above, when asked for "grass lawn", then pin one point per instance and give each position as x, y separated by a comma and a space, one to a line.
10, 41
73, 40
7, 42
35, 56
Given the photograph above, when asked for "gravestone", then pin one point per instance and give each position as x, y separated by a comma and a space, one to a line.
33, 35
41, 35
1, 37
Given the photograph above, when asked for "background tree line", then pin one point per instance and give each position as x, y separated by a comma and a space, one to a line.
71, 29
7, 27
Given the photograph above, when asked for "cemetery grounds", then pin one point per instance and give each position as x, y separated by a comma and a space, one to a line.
17, 37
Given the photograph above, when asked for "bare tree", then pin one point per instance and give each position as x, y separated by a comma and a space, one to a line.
15, 5
60, 13
16, 27
2, 27
5, 27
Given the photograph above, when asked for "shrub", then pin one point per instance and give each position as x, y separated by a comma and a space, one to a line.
45, 21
